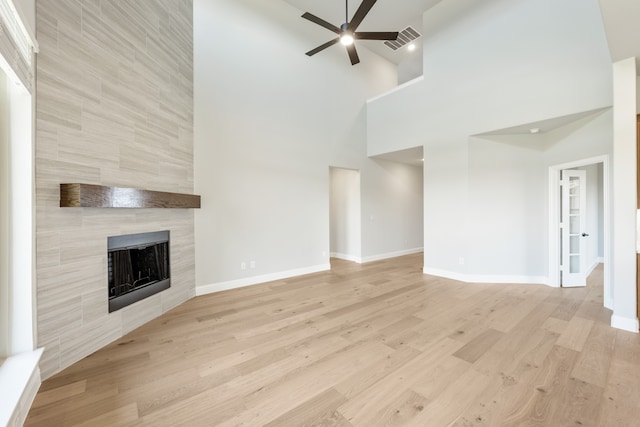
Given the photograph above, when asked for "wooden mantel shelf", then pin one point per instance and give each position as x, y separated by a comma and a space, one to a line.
99, 196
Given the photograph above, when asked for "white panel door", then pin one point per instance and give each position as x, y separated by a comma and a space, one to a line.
573, 226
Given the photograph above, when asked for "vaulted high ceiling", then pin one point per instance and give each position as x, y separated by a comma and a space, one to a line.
621, 18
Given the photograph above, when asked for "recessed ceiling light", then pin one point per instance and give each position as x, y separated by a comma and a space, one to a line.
534, 130
411, 47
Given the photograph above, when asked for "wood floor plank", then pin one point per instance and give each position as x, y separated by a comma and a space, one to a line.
577, 405
165, 393
402, 411
566, 309
575, 335
475, 348
205, 408
357, 382
361, 345
521, 342
550, 384
621, 397
315, 411
120, 416
56, 394
270, 402
431, 381
362, 408
445, 408
595, 359
517, 379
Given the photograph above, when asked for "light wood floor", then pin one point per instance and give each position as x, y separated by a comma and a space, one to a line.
378, 344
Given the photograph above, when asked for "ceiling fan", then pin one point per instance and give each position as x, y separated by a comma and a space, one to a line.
347, 31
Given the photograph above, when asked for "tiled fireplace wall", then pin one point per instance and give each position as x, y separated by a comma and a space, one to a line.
114, 106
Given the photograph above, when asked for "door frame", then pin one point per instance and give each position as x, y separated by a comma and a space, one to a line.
554, 222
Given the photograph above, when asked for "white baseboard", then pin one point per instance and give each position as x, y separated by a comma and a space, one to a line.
394, 254
346, 257
19, 383
625, 323
378, 257
486, 278
461, 277
254, 280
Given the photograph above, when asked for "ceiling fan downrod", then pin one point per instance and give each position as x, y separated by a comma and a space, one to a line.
346, 13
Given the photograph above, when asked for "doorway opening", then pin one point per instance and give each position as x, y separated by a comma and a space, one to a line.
344, 214
579, 225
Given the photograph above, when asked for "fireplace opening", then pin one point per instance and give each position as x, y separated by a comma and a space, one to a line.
138, 267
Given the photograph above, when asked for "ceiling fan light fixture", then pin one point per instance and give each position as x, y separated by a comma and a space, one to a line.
346, 39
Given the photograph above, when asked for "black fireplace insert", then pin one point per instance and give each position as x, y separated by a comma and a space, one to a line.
138, 267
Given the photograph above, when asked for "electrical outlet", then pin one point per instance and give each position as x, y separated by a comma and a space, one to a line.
324, 254
243, 265
461, 261
252, 264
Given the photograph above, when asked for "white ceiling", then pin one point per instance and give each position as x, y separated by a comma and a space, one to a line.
620, 17
621, 21
411, 156
544, 126
386, 15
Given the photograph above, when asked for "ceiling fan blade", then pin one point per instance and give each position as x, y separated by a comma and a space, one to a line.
353, 55
321, 22
362, 11
376, 35
323, 46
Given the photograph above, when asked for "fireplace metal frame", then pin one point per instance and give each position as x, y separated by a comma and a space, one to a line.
135, 241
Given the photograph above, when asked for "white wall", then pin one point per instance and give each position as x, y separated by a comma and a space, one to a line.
410, 67
4, 217
27, 11
506, 230
625, 196
345, 214
508, 196
490, 66
392, 209
269, 121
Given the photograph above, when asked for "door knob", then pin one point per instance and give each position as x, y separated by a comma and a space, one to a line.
585, 235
